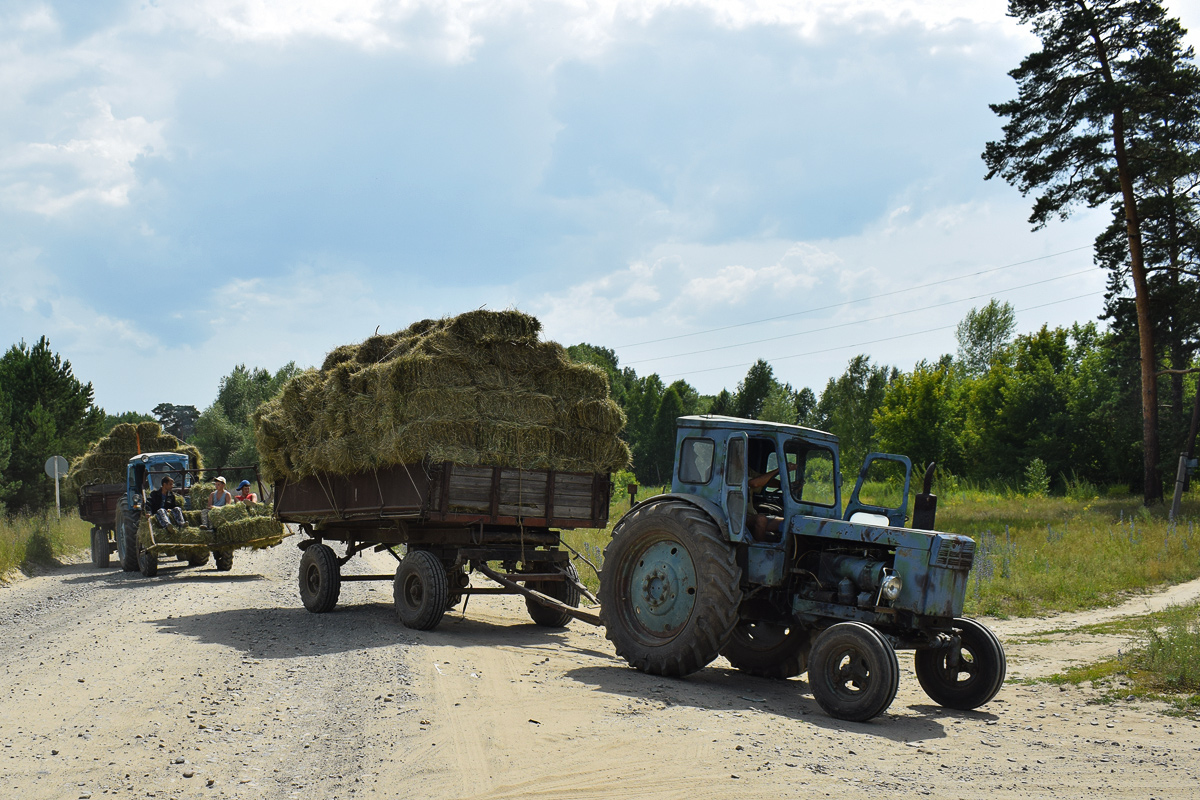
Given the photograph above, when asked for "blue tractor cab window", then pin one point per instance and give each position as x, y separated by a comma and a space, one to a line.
696, 460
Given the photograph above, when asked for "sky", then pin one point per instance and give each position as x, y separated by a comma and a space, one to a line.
190, 185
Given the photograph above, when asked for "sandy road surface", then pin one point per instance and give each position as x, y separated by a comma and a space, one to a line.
207, 684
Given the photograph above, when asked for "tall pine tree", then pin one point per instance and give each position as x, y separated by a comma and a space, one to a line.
1082, 102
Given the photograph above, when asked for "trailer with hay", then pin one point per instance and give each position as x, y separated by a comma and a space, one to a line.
217, 532
458, 445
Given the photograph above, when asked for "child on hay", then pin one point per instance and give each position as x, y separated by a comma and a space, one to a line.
244, 494
163, 500
220, 495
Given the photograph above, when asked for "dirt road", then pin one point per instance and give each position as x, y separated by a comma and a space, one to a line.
207, 684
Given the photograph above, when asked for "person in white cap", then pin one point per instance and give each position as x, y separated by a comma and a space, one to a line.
221, 496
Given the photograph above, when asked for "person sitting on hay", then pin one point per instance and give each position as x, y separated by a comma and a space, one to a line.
162, 501
244, 494
220, 496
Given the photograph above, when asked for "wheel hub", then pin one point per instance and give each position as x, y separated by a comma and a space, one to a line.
663, 585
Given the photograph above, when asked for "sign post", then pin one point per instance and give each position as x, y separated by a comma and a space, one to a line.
56, 467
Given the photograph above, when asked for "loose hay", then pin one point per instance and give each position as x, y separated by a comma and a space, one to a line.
479, 388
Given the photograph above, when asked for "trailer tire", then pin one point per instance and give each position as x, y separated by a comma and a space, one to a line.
99, 547
421, 590
853, 672
223, 559
769, 649
670, 589
977, 677
320, 578
562, 591
198, 561
125, 527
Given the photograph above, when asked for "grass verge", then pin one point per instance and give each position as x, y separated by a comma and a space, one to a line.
31, 539
1163, 664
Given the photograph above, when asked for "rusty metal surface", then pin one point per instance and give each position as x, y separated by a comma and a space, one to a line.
98, 503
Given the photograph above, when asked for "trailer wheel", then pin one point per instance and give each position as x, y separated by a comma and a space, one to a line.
769, 649
853, 672
669, 590
147, 562
421, 590
562, 591
125, 526
199, 561
99, 547
320, 578
971, 678
223, 559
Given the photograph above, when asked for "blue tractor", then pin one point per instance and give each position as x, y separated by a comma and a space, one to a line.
752, 556
143, 474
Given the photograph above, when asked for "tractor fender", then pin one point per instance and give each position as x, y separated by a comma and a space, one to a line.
707, 506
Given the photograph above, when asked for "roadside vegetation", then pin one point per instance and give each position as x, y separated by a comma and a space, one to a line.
28, 540
1163, 663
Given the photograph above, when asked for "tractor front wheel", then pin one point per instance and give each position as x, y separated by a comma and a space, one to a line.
670, 589
853, 672
965, 677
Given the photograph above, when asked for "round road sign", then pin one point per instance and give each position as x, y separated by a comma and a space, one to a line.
57, 461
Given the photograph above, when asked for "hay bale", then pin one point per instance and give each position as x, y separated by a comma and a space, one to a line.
479, 388
241, 523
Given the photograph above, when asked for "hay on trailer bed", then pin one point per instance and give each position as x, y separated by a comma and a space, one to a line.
106, 459
479, 388
246, 525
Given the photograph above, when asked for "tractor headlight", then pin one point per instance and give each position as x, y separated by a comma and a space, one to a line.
890, 588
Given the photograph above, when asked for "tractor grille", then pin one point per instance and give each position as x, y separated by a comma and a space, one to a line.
956, 553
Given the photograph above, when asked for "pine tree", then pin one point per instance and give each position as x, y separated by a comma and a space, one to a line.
1083, 102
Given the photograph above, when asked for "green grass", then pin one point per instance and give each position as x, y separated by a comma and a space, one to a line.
1164, 663
1034, 554
30, 539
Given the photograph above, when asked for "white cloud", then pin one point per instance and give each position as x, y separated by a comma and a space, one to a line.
96, 164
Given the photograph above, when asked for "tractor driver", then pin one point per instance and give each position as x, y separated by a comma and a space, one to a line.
764, 525
162, 501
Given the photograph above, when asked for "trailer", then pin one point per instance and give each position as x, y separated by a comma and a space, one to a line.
98, 505
450, 520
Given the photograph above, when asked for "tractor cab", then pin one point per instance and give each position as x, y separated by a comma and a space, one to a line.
145, 472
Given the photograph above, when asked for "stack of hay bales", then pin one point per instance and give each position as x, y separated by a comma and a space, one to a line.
245, 525
105, 460
479, 388
230, 527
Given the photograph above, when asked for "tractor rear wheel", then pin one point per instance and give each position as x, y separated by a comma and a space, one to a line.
853, 672
563, 591
421, 590
670, 589
971, 677
320, 578
126, 525
769, 649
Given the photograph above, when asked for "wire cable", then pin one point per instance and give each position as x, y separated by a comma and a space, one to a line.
873, 341
857, 300
860, 321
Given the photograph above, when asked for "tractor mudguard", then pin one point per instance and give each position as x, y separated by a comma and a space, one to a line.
708, 507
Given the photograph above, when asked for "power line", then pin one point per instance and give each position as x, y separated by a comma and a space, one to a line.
860, 321
856, 300
873, 341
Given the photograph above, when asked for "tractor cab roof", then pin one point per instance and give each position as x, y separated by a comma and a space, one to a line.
752, 426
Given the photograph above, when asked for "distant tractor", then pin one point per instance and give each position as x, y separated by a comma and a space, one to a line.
751, 556
115, 510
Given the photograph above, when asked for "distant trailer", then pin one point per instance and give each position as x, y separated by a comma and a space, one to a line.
453, 519
98, 505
